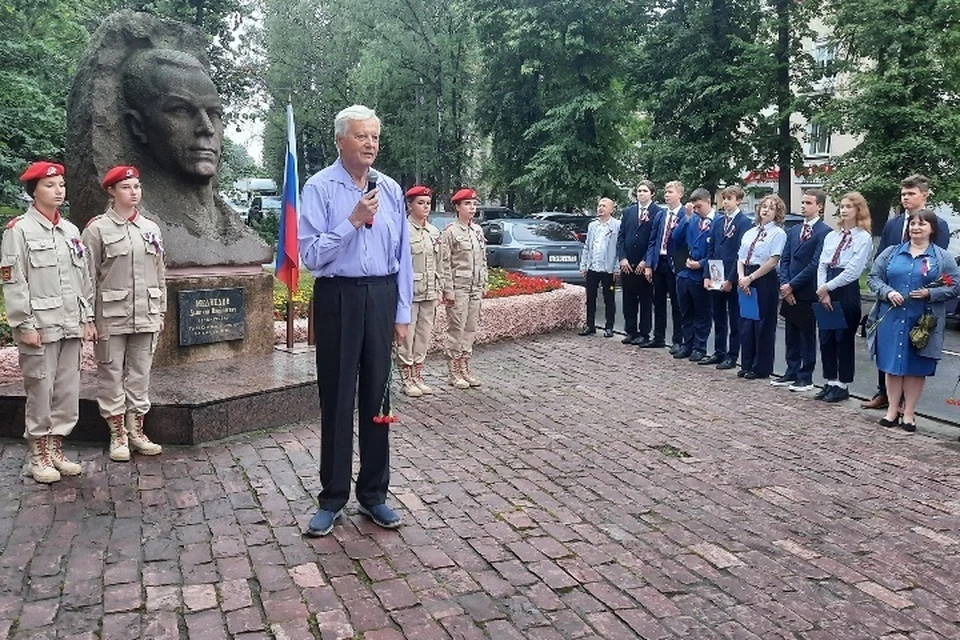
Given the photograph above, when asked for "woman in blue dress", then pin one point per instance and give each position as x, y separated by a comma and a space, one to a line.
910, 279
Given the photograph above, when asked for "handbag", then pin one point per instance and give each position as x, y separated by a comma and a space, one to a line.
920, 334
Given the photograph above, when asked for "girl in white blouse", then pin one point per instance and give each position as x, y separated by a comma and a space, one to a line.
760, 251
843, 258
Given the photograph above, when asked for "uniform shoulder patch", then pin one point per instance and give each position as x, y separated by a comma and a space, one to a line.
92, 220
13, 222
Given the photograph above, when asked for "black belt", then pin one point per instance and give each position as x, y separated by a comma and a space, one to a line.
361, 281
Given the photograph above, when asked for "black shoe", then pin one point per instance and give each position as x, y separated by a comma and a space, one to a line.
909, 427
675, 347
682, 353
782, 381
697, 356
727, 364
653, 344
889, 423
750, 375
608, 333
823, 392
837, 394
714, 359
640, 341
587, 331
742, 373
628, 339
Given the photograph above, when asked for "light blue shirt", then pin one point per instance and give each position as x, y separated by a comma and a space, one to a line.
331, 246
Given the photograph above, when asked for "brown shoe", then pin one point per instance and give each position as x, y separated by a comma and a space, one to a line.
878, 401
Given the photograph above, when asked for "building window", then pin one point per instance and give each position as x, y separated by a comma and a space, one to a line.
823, 59
818, 139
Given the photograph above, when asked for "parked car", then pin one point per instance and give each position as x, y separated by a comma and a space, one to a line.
577, 223
241, 210
485, 213
533, 247
263, 207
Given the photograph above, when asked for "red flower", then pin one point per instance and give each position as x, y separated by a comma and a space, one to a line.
947, 280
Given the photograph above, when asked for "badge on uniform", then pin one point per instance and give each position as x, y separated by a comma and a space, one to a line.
77, 247
153, 239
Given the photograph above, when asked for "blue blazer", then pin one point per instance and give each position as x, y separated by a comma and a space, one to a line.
656, 238
688, 234
893, 233
798, 264
634, 237
726, 248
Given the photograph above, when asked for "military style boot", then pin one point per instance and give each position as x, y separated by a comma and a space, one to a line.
39, 466
418, 378
119, 447
465, 372
454, 378
410, 386
137, 438
63, 465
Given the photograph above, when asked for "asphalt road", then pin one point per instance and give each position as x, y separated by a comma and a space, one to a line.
933, 404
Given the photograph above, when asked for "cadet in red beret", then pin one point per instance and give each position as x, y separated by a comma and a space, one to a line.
126, 264
463, 277
425, 251
48, 297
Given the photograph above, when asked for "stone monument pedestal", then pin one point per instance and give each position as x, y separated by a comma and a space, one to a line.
216, 313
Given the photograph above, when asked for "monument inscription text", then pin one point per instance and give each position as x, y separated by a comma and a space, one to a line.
210, 315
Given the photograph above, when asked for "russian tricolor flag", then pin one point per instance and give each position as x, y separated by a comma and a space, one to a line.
288, 253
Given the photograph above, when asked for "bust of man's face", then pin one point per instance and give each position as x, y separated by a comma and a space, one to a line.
183, 128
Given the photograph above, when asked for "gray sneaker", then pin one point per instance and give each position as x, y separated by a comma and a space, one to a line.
801, 386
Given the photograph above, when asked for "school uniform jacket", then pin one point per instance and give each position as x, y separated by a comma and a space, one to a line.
892, 234
798, 264
724, 244
634, 236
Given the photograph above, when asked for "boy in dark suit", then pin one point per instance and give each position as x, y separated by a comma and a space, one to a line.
797, 272
633, 239
914, 192
693, 233
660, 268
725, 236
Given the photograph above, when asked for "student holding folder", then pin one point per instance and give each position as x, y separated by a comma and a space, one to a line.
760, 251
843, 258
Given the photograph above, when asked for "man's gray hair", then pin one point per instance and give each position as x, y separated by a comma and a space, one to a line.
354, 112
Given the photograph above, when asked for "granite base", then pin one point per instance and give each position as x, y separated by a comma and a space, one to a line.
200, 402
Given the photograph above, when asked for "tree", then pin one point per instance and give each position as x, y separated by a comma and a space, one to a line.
901, 95
235, 163
703, 76
553, 104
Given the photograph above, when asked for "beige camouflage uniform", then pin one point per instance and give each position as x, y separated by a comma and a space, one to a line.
425, 251
463, 274
126, 262
47, 288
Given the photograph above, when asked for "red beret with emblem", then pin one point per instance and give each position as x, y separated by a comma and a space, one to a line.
418, 190
118, 174
43, 169
463, 194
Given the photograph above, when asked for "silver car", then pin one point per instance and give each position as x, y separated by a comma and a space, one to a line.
534, 247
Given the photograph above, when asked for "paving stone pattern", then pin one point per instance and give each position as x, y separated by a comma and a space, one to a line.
589, 490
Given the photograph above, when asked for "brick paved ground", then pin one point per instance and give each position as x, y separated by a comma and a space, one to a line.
589, 491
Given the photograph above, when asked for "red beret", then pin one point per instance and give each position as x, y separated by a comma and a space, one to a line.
418, 190
463, 194
39, 170
118, 174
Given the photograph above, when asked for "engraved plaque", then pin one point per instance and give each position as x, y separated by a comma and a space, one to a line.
210, 315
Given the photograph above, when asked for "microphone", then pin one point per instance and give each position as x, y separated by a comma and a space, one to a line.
371, 185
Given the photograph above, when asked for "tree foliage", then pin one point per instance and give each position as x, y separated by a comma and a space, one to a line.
901, 96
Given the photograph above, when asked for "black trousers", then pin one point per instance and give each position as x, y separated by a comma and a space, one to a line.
801, 344
605, 282
758, 338
696, 313
637, 304
838, 346
726, 323
354, 320
665, 284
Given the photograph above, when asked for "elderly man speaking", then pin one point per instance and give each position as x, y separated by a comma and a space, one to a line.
354, 239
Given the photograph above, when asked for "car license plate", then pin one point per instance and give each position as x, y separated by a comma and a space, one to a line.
561, 258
